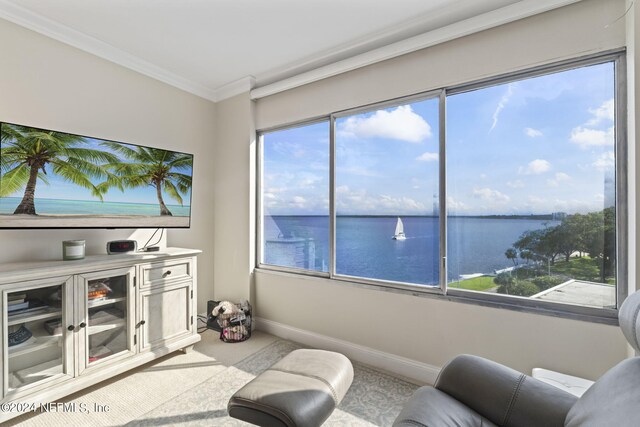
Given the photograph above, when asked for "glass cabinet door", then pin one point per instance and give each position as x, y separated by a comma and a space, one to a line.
38, 334
106, 319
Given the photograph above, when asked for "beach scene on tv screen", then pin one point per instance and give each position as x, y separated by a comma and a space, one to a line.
57, 179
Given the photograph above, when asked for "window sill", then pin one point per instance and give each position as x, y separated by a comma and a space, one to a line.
521, 304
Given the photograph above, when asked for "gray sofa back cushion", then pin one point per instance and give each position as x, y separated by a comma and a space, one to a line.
504, 396
614, 400
629, 317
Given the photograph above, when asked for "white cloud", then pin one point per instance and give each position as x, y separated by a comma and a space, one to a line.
535, 199
289, 149
490, 195
501, 104
417, 183
298, 202
361, 202
558, 178
536, 204
532, 133
342, 189
427, 157
275, 190
308, 180
269, 196
358, 170
454, 205
605, 162
585, 137
605, 112
319, 166
402, 124
535, 167
515, 184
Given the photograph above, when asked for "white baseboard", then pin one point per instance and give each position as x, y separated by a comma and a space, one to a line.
417, 372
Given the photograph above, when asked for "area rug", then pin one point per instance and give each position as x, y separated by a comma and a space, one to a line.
374, 399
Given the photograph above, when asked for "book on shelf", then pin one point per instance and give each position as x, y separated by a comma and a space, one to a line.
18, 306
99, 352
53, 326
33, 307
16, 298
108, 315
31, 340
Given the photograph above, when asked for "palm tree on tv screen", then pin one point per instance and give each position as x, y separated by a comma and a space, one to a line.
26, 153
153, 167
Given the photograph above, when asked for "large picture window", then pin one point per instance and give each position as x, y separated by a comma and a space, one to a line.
506, 190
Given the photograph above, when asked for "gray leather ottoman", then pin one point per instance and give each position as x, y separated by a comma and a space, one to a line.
300, 390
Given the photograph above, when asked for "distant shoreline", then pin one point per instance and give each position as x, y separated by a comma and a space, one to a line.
90, 221
533, 217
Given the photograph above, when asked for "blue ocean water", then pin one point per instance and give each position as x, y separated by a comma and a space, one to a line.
82, 207
364, 247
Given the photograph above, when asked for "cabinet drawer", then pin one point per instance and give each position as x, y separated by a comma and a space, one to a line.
161, 273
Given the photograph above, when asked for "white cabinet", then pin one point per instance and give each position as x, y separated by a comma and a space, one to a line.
68, 324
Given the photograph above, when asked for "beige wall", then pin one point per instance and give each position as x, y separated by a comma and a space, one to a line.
434, 330
48, 84
233, 216
580, 29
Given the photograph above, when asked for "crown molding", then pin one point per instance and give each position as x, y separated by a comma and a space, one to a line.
40, 24
403, 30
243, 85
504, 15
57, 31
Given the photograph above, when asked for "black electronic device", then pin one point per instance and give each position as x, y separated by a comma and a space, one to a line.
121, 246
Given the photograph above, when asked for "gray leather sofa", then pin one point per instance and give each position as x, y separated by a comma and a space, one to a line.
472, 391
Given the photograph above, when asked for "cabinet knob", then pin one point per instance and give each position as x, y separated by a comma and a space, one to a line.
82, 325
71, 328
167, 273
142, 322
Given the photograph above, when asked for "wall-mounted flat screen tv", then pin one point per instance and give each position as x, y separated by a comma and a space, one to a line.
51, 179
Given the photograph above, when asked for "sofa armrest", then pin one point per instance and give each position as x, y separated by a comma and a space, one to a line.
504, 396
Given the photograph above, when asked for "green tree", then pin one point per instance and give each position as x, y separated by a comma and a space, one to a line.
527, 255
508, 285
160, 169
504, 279
27, 152
540, 243
600, 240
512, 254
545, 282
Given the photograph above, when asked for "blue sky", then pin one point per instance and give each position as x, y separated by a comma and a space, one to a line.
59, 188
534, 146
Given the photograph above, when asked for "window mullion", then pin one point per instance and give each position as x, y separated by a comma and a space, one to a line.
332, 196
442, 202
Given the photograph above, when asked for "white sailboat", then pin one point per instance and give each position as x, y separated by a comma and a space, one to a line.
399, 234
